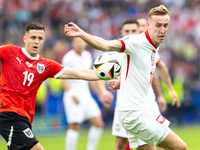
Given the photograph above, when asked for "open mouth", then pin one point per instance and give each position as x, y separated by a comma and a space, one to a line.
161, 37
35, 47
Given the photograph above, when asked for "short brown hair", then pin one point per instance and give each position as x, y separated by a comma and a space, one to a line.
34, 26
130, 21
160, 10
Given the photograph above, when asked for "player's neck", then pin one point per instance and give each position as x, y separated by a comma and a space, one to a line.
78, 52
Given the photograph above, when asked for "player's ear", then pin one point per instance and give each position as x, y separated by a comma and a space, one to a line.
24, 39
122, 34
148, 23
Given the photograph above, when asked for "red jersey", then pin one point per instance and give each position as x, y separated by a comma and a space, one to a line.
21, 78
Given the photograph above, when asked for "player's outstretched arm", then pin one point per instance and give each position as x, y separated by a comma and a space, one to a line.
86, 74
72, 30
71, 92
163, 72
105, 96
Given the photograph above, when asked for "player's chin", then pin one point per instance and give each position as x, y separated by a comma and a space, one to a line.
160, 40
34, 52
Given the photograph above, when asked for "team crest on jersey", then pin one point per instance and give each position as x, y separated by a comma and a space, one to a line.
28, 133
29, 64
40, 68
160, 119
117, 127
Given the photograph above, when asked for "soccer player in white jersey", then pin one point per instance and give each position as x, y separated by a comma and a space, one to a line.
78, 101
131, 26
138, 119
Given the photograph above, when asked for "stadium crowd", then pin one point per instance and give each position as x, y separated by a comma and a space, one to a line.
180, 51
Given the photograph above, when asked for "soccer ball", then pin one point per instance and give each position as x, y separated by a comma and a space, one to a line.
107, 66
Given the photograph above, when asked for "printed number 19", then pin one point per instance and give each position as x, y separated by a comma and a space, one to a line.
29, 77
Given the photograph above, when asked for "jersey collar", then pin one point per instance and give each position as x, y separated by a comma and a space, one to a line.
77, 52
28, 55
149, 39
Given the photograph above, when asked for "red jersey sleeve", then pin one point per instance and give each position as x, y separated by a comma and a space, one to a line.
4, 52
56, 69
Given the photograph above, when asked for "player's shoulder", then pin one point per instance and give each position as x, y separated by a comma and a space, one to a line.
134, 38
86, 52
10, 46
10, 49
69, 53
44, 60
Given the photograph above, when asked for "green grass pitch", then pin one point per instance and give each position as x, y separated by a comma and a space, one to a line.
189, 134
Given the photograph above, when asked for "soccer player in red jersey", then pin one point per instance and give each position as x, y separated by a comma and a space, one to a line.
23, 71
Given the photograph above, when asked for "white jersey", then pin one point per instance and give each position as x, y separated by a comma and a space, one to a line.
151, 95
137, 71
142, 122
87, 107
117, 129
84, 61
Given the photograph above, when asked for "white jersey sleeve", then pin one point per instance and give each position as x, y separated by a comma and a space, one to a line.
132, 43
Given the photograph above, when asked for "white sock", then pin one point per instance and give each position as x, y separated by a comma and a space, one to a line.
94, 136
71, 139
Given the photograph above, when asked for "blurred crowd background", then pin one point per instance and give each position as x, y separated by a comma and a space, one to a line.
104, 18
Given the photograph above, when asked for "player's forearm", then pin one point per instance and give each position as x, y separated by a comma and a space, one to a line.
88, 75
98, 86
71, 73
100, 43
164, 74
101, 86
93, 86
65, 85
156, 85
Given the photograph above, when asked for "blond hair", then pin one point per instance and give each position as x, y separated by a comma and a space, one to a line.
160, 10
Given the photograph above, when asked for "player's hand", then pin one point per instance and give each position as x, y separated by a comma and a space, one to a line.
162, 103
72, 30
72, 93
114, 84
175, 99
75, 99
106, 98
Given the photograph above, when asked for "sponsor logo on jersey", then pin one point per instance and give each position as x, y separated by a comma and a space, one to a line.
160, 119
19, 60
28, 133
126, 38
29, 64
40, 68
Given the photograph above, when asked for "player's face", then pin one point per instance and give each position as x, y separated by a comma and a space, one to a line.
33, 41
79, 45
131, 28
158, 26
142, 24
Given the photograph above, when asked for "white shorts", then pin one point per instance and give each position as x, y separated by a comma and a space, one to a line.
86, 109
119, 131
148, 126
